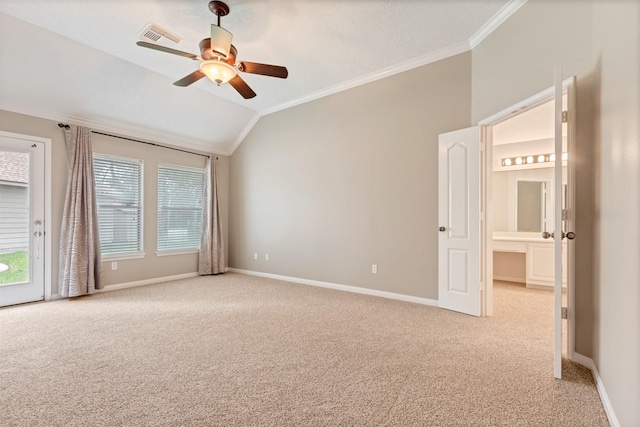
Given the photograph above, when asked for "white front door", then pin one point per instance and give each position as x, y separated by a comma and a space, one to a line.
459, 221
22, 214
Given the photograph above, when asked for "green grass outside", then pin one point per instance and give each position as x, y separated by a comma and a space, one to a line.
18, 267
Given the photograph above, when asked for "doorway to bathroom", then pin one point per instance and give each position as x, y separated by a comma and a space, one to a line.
528, 234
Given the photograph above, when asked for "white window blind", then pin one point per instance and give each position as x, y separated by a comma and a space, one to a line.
119, 199
180, 201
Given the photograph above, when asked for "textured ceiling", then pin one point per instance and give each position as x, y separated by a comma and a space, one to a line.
77, 59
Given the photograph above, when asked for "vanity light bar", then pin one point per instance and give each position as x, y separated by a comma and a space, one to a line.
531, 159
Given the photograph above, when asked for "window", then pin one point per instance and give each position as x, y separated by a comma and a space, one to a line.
180, 201
119, 199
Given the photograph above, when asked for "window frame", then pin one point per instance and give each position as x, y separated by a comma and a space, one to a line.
139, 253
181, 168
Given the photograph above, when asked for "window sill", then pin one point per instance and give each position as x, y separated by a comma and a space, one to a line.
118, 257
178, 252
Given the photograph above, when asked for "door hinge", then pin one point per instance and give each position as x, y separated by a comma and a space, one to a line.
564, 313
565, 214
565, 116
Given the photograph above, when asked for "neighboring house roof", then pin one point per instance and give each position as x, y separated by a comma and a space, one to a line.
14, 167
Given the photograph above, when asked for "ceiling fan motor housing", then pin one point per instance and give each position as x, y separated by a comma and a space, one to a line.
206, 53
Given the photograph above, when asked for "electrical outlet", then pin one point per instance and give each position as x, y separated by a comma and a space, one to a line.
374, 268
266, 257
114, 265
255, 255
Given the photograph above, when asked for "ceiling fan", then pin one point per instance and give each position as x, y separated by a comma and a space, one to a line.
218, 58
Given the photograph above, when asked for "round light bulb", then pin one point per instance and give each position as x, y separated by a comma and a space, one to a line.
518, 160
552, 158
541, 159
530, 159
507, 162
565, 156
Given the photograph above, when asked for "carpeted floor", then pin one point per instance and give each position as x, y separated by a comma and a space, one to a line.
236, 350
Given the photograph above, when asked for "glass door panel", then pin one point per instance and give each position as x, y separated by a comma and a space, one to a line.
21, 221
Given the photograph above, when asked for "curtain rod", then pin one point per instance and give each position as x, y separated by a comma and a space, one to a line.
67, 127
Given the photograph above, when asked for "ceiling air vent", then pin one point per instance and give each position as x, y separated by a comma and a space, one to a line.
153, 33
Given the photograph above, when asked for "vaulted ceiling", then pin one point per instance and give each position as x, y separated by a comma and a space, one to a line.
78, 60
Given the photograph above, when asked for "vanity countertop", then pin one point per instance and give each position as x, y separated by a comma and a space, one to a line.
506, 236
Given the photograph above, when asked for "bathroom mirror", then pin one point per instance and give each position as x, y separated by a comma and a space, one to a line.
532, 206
523, 200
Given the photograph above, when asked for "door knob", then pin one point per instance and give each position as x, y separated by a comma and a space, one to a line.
441, 229
570, 235
546, 235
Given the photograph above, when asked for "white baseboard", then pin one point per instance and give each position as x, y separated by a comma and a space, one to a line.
540, 287
583, 360
510, 279
109, 288
608, 409
346, 288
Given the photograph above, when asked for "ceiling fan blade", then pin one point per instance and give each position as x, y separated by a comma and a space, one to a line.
242, 87
191, 78
220, 40
168, 50
263, 69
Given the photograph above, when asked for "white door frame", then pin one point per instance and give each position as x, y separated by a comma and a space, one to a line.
48, 226
486, 231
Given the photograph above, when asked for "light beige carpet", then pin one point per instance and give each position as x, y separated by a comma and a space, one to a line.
235, 350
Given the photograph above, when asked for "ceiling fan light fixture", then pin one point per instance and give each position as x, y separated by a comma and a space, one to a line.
218, 71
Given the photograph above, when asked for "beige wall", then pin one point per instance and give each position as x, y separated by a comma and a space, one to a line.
598, 42
517, 61
333, 186
616, 63
510, 266
500, 199
133, 270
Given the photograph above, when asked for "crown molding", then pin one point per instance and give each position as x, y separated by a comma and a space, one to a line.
502, 15
371, 77
245, 131
490, 26
130, 131
115, 128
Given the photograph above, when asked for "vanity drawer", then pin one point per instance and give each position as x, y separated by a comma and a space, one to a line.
507, 246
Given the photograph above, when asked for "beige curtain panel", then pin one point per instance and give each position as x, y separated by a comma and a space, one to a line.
211, 260
80, 261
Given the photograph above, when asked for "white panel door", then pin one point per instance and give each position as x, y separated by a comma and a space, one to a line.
459, 220
22, 249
